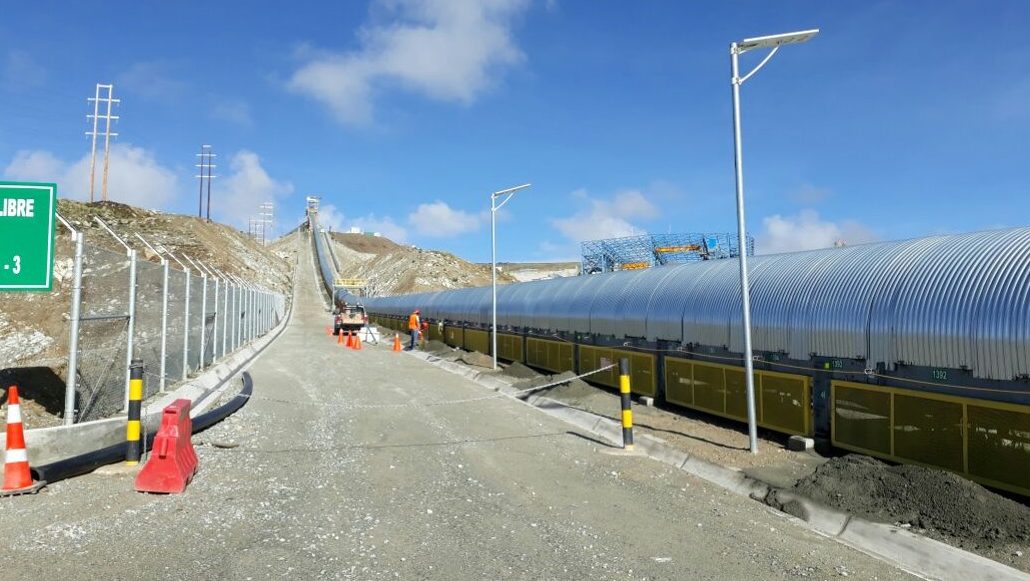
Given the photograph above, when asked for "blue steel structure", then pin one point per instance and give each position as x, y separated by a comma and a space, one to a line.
649, 250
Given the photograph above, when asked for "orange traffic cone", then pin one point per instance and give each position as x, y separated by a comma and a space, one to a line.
328, 331
350, 340
339, 338
17, 477
357, 342
396, 342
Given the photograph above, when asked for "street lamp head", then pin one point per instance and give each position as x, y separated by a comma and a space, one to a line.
776, 40
510, 190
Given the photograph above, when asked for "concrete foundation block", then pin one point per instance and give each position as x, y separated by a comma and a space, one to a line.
800, 444
647, 401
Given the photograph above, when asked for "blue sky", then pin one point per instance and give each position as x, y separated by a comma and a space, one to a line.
902, 118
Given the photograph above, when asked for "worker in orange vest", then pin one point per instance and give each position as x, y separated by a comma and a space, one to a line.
414, 326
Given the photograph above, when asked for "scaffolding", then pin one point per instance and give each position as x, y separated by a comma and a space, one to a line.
649, 250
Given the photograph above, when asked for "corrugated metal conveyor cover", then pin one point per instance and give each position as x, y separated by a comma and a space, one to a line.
1002, 322
841, 295
545, 311
776, 289
933, 306
605, 315
482, 306
598, 296
633, 307
714, 304
571, 307
671, 297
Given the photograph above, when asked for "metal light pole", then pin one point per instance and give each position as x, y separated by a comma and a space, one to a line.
736, 49
494, 206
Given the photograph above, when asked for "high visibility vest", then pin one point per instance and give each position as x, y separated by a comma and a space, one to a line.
412, 322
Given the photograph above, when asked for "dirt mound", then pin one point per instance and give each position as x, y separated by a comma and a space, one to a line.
477, 359
438, 348
937, 502
519, 371
367, 244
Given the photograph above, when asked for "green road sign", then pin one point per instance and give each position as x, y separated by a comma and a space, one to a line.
27, 213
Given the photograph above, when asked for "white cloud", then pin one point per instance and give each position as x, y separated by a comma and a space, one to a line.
331, 217
806, 231
606, 218
135, 177
236, 197
438, 220
447, 50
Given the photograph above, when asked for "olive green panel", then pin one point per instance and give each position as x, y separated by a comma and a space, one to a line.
928, 431
591, 358
784, 403
999, 445
476, 340
678, 381
509, 347
736, 394
641, 371
861, 419
435, 331
709, 388
553, 356
454, 335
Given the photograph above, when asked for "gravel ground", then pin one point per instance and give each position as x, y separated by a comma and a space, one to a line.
720, 441
374, 465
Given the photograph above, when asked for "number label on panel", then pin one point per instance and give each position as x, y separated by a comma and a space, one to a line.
940, 374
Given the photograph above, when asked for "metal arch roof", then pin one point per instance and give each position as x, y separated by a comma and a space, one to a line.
939, 301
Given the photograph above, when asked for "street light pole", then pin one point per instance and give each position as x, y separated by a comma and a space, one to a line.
736, 49
494, 206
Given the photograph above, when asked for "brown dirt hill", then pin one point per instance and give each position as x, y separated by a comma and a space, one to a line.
34, 326
391, 268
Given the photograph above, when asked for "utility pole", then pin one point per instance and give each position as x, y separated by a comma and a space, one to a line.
109, 100
267, 214
206, 157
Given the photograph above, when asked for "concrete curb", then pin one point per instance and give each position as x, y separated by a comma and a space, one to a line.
915, 554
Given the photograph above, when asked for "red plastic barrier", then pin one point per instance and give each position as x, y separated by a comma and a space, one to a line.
172, 462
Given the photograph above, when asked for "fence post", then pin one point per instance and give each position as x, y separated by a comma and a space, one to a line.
214, 332
203, 319
186, 331
627, 404
164, 324
73, 339
132, 325
225, 312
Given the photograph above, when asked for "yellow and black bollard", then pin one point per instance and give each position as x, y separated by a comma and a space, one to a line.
133, 451
627, 404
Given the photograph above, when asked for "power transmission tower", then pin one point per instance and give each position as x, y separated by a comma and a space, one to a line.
267, 214
109, 100
206, 156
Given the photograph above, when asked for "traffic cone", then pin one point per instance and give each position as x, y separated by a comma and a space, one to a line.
357, 342
350, 340
396, 342
328, 331
339, 339
16, 462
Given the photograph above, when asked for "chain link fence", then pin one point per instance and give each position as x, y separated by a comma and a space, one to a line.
177, 322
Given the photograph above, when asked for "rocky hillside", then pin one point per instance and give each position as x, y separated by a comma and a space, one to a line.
34, 326
527, 271
391, 268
